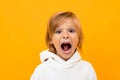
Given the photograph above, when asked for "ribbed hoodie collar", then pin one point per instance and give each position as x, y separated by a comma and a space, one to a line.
56, 61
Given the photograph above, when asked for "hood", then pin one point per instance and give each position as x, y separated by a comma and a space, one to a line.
58, 62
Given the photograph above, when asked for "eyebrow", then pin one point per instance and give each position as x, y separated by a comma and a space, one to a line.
57, 29
72, 28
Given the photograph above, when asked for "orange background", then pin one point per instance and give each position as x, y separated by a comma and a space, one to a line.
23, 26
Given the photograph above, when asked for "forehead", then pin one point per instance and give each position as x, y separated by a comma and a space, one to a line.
63, 21
67, 23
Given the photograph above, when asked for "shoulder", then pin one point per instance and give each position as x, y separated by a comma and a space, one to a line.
88, 68
84, 62
41, 67
86, 65
37, 73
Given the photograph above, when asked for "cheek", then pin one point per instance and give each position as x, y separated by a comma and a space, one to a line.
55, 40
75, 40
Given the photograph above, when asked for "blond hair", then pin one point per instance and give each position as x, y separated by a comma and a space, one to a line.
55, 21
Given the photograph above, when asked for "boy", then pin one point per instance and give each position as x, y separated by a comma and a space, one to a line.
62, 61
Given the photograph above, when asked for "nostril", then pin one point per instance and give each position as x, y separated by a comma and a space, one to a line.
65, 37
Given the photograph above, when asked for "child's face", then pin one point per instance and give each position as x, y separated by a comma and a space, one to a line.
65, 39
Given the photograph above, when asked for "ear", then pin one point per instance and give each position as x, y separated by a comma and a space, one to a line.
51, 42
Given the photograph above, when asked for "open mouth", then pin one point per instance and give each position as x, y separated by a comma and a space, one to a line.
66, 46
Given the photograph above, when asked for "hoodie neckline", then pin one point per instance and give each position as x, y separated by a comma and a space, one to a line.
57, 61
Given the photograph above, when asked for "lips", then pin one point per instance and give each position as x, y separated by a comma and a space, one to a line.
66, 46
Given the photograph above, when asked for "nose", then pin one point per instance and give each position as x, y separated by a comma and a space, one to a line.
65, 36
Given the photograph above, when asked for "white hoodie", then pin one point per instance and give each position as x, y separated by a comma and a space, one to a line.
55, 68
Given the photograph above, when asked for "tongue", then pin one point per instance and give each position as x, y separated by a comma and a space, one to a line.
65, 47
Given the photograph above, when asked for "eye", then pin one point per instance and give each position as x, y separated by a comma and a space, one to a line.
71, 30
58, 32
